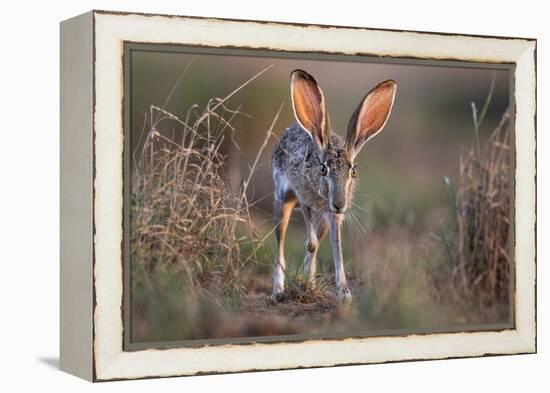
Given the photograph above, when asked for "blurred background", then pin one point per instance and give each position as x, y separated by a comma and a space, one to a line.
401, 198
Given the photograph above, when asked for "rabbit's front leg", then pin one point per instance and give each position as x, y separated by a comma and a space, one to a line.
336, 243
310, 260
316, 229
312, 243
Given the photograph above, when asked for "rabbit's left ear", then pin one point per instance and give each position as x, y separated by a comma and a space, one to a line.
370, 116
310, 109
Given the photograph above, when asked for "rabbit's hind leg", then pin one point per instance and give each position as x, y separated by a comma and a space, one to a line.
282, 211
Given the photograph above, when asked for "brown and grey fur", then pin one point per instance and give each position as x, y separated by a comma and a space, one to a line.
314, 169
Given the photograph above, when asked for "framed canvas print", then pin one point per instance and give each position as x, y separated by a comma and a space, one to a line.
246, 195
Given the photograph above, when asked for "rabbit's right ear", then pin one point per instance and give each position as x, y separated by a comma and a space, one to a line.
309, 106
370, 116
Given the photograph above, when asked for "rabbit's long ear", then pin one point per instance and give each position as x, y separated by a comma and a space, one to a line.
309, 106
370, 116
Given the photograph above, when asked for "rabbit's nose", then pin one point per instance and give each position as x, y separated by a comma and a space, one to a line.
338, 206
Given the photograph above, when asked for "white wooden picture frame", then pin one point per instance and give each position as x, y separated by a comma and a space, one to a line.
92, 137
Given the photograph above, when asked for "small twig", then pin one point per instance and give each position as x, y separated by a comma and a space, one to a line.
487, 100
233, 93
178, 81
476, 129
262, 147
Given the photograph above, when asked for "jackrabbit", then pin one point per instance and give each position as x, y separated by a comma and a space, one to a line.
313, 168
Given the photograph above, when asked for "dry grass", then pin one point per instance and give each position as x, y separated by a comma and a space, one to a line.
186, 221
300, 290
478, 244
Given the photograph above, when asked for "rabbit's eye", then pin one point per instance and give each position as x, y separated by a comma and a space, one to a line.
324, 170
353, 171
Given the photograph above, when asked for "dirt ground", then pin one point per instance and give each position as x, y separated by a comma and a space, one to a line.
259, 315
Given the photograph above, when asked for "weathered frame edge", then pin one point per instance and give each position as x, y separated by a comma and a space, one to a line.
76, 196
